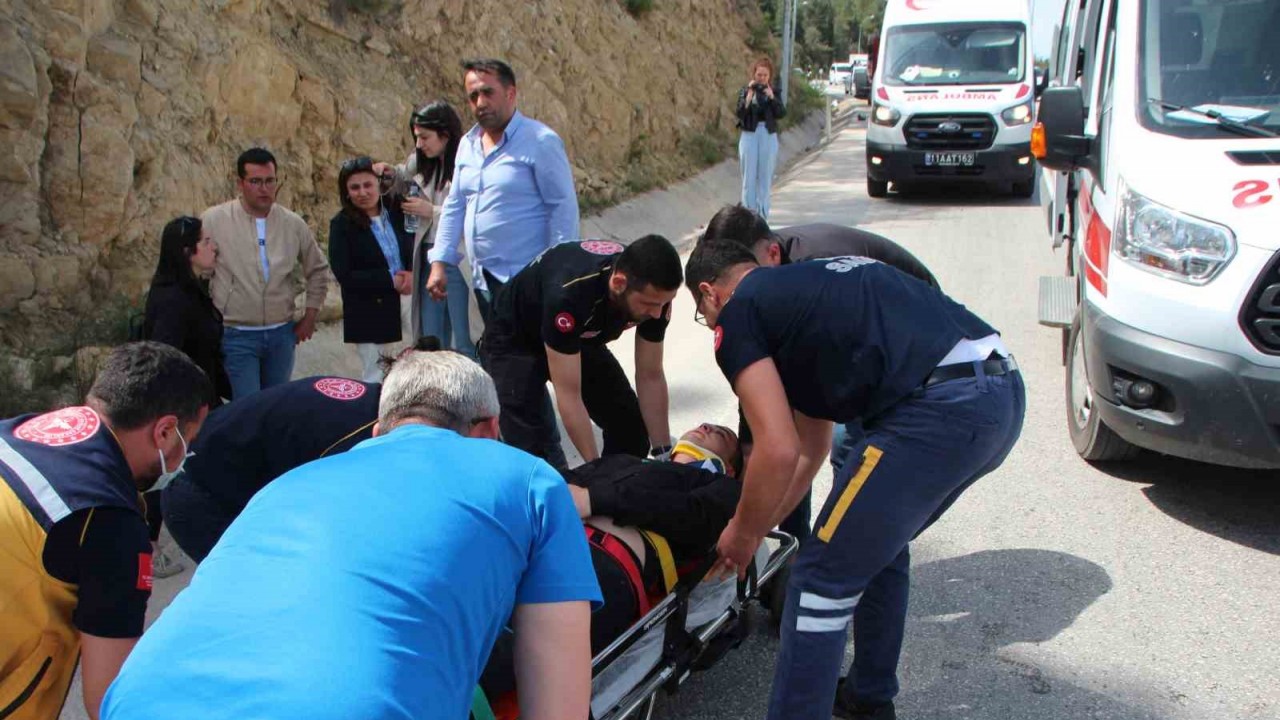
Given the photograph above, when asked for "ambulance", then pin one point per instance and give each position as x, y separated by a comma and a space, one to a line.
953, 95
1160, 136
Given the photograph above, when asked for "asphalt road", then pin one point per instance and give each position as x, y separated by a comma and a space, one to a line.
1053, 589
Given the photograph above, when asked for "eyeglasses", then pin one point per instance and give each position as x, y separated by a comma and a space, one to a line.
263, 182
698, 317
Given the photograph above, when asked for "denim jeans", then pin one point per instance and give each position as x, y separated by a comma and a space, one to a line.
448, 319
913, 462
258, 359
758, 153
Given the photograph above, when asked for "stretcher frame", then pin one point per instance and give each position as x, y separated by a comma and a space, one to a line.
684, 649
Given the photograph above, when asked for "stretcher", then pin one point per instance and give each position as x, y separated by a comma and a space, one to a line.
687, 631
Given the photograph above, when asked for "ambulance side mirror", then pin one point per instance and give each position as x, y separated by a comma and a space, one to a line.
1061, 119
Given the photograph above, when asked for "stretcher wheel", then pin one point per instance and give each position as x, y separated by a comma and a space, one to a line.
775, 595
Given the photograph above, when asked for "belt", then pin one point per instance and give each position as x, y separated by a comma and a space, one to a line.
994, 365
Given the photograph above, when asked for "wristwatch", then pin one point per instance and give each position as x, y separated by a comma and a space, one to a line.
660, 453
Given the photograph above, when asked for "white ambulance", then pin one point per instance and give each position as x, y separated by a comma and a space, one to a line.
1160, 135
953, 95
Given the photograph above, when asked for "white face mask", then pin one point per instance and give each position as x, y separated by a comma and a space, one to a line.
166, 476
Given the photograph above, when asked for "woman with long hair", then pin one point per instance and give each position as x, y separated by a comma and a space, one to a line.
436, 130
370, 253
759, 110
179, 311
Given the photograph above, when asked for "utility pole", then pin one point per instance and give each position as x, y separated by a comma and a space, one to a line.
787, 27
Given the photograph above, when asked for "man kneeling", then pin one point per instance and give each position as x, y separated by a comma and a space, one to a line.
372, 584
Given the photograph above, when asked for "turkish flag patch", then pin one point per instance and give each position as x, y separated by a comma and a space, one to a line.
564, 322
719, 336
145, 580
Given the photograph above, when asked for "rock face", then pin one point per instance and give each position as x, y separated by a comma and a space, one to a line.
118, 115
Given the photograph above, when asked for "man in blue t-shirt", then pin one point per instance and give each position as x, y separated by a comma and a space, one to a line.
829, 341
373, 583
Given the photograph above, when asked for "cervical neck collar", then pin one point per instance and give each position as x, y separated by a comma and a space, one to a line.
706, 459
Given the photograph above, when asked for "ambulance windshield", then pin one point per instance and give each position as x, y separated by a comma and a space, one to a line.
955, 54
1211, 68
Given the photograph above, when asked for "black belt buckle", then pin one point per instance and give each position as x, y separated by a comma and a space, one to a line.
995, 364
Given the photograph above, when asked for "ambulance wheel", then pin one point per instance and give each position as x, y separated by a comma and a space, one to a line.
1094, 441
1024, 188
877, 188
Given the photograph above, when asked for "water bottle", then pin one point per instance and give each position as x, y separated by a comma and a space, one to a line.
410, 220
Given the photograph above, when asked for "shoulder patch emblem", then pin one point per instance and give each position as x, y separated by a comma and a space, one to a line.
847, 263
602, 247
67, 426
565, 323
719, 336
341, 388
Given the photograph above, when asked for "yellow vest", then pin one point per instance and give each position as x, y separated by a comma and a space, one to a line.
51, 466
38, 644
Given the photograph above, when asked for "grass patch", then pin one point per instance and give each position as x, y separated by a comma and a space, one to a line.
804, 99
707, 146
637, 7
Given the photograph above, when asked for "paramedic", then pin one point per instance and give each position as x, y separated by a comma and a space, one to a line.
373, 604
941, 400
256, 439
552, 321
797, 244
75, 558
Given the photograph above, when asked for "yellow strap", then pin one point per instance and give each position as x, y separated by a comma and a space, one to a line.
870, 458
665, 558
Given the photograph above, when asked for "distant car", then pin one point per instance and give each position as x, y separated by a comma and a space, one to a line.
841, 74
861, 83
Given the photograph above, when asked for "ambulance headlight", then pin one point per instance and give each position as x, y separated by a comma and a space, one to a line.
885, 115
1163, 241
1017, 115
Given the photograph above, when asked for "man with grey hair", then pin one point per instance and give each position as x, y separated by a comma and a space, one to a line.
374, 583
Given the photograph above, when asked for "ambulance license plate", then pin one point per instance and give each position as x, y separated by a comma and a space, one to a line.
950, 159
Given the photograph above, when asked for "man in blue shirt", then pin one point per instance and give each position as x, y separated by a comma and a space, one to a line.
513, 194
830, 341
373, 583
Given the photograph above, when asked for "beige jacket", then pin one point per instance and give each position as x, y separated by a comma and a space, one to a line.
238, 287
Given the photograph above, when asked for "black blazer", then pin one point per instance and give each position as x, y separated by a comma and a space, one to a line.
183, 315
370, 303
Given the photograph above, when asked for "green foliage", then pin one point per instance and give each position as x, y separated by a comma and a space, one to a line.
708, 146
637, 7
802, 99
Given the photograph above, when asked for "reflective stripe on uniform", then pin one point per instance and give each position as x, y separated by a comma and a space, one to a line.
37, 484
810, 601
822, 624
870, 457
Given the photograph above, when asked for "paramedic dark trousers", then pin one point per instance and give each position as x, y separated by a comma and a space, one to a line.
911, 464
521, 379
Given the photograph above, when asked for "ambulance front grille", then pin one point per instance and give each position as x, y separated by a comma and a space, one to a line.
950, 132
1260, 316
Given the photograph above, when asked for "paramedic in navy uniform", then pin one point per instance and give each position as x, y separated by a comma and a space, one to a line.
552, 321
812, 343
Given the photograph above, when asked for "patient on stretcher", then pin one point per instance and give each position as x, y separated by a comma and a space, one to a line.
646, 522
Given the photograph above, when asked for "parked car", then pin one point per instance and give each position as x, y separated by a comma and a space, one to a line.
841, 75
861, 83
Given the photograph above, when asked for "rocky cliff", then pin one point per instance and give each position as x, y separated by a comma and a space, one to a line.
117, 115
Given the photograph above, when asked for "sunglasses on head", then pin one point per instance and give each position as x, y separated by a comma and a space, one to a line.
364, 162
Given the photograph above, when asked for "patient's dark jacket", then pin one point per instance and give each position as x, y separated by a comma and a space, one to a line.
687, 505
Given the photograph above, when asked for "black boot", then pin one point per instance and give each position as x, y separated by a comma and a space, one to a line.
846, 710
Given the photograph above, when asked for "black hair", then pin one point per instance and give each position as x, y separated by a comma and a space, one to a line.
505, 74
709, 260
140, 382
651, 260
354, 166
425, 343
739, 224
177, 244
440, 117
254, 156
